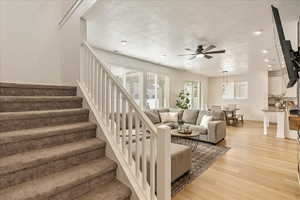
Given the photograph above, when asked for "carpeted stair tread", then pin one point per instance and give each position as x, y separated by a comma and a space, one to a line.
36, 133
37, 86
20, 89
39, 114
38, 98
33, 158
47, 186
112, 191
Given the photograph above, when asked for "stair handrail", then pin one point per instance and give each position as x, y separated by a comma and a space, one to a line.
124, 91
119, 117
69, 12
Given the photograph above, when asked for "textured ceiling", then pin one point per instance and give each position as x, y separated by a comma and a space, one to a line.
159, 30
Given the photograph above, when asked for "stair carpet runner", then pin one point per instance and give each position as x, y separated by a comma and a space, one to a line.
49, 149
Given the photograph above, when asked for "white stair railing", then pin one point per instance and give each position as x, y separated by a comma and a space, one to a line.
75, 5
142, 150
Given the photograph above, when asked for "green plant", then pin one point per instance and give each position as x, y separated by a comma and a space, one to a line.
183, 100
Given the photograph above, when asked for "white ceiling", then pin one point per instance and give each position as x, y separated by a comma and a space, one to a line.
154, 28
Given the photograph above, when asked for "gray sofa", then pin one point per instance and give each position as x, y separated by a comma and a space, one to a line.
215, 132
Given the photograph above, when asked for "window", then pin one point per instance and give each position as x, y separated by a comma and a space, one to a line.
157, 88
149, 90
235, 90
228, 90
241, 90
193, 88
133, 85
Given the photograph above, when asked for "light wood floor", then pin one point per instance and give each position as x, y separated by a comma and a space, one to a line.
256, 167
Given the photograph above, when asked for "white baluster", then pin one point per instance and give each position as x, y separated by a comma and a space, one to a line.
112, 110
90, 75
152, 165
108, 100
97, 85
93, 80
130, 134
85, 69
103, 95
123, 123
144, 157
118, 117
100, 89
137, 146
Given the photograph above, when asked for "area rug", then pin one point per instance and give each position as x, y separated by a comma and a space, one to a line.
202, 158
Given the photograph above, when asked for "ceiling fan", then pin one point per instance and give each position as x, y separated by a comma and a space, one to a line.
202, 52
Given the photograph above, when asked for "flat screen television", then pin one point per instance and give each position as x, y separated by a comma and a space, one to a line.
291, 57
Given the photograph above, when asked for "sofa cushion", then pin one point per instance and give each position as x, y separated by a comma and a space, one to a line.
202, 130
153, 115
168, 116
190, 116
218, 115
162, 110
180, 112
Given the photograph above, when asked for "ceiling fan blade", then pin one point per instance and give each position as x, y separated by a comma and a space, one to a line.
192, 58
208, 57
215, 52
188, 49
187, 54
210, 47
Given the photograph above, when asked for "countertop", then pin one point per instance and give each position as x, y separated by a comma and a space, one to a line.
273, 109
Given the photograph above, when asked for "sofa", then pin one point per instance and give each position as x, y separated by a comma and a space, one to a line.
213, 133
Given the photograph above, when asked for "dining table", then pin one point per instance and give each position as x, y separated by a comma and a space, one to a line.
230, 115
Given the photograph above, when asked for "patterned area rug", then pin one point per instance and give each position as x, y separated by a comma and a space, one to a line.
202, 158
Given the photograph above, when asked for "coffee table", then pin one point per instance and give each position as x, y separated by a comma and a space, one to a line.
185, 139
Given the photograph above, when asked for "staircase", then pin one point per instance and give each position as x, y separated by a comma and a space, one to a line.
49, 149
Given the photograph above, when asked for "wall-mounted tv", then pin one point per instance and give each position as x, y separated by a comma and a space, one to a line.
291, 57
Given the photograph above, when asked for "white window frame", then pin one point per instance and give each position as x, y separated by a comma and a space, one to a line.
243, 85
232, 90
228, 90
198, 103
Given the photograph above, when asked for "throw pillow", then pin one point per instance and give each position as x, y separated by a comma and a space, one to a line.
190, 116
153, 116
205, 120
168, 117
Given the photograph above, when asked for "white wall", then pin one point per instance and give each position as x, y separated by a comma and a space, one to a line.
30, 41
177, 77
70, 47
257, 93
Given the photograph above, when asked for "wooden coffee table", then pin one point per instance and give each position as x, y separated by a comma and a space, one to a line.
185, 139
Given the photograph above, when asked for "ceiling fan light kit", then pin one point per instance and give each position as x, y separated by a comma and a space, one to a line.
202, 52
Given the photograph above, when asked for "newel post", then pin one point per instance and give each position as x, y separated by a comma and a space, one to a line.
164, 163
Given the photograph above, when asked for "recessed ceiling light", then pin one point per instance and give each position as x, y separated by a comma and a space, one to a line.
264, 51
267, 60
258, 32
270, 66
124, 42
